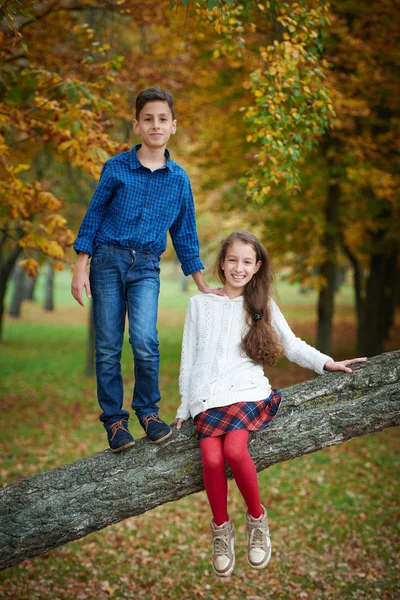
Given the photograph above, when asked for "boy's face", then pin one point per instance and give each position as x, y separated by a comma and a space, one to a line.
155, 124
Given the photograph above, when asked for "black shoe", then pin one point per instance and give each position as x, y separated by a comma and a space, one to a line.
156, 430
118, 435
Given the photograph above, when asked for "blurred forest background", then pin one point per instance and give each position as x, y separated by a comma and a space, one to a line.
288, 125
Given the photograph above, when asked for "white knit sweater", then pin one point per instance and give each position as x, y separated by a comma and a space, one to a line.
214, 369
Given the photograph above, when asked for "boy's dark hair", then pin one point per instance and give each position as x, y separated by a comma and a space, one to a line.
260, 342
151, 95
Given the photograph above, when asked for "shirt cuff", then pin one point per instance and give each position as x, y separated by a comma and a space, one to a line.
183, 413
192, 266
320, 368
83, 246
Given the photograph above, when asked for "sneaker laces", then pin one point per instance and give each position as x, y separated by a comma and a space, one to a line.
118, 425
258, 538
221, 546
150, 418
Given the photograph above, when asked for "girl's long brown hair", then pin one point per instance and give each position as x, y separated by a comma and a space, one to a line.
261, 342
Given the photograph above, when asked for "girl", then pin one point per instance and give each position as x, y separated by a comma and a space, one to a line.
226, 341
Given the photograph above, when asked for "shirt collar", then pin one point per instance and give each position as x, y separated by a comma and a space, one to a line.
135, 162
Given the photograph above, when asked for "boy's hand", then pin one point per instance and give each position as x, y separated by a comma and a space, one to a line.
178, 423
80, 280
342, 365
202, 286
208, 289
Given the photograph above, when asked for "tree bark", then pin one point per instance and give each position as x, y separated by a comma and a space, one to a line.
29, 288
52, 508
18, 292
378, 308
328, 270
7, 262
48, 303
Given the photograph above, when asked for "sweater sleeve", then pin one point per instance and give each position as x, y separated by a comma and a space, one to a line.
188, 356
295, 349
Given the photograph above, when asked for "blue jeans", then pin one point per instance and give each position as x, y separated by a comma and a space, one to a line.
125, 280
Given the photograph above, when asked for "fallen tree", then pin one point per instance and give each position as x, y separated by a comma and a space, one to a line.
52, 508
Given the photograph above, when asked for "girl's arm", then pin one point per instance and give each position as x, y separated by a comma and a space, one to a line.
188, 357
298, 351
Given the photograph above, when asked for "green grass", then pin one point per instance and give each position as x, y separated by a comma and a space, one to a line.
333, 514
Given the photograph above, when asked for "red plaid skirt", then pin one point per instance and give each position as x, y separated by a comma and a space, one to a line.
241, 415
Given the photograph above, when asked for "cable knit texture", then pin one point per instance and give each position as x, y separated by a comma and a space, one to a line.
214, 369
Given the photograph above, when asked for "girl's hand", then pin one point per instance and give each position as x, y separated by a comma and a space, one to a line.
178, 423
331, 365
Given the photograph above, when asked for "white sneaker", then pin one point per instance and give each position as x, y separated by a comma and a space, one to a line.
258, 541
223, 548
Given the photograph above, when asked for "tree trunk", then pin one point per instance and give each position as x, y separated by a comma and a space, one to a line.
29, 288
52, 508
48, 304
184, 283
18, 292
91, 351
378, 308
328, 271
7, 262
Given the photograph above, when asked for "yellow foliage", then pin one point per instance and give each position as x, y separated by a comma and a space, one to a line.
31, 266
58, 266
48, 200
54, 222
54, 250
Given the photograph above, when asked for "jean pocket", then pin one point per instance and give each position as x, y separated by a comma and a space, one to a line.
102, 257
154, 262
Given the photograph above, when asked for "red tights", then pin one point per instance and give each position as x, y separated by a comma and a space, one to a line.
231, 447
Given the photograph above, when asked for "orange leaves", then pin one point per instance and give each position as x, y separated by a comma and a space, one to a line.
54, 250
35, 240
47, 200
31, 266
52, 223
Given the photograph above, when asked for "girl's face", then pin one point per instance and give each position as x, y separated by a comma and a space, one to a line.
239, 266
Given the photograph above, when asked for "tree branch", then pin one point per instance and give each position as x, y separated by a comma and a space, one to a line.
55, 6
52, 508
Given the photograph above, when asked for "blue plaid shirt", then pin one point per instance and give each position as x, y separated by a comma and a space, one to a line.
135, 207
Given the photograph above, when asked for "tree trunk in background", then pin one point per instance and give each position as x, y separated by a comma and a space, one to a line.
48, 303
29, 288
18, 292
91, 351
328, 270
7, 262
378, 308
30, 282
52, 508
184, 283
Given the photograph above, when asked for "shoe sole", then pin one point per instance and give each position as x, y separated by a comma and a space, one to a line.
228, 573
128, 445
161, 439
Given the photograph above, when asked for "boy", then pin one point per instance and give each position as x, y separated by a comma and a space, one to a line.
141, 195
